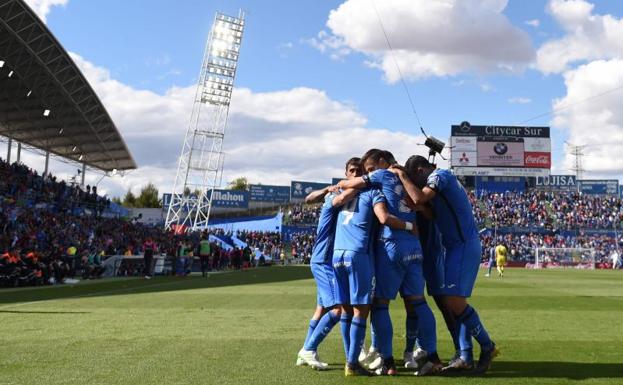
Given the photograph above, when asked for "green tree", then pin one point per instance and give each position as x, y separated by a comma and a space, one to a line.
129, 200
148, 197
241, 184
117, 200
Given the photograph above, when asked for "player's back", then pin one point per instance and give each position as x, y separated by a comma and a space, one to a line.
453, 210
500, 251
355, 222
322, 251
395, 195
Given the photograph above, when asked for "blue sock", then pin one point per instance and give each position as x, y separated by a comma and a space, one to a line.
326, 323
472, 322
411, 326
453, 326
310, 330
357, 335
345, 323
466, 348
383, 329
426, 326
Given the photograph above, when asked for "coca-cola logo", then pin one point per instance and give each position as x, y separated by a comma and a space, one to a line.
538, 160
541, 159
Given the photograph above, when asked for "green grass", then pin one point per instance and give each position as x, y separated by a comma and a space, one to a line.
245, 328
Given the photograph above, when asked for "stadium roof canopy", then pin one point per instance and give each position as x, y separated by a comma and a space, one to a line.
46, 102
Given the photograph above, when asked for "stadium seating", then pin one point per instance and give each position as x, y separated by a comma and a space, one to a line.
52, 230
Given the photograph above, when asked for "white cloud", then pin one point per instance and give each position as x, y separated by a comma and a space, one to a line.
533, 23
42, 7
430, 38
272, 138
519, 100
325, 42
486, 87
588, 36
594, 122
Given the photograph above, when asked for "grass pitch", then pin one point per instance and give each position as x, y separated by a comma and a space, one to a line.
553, 327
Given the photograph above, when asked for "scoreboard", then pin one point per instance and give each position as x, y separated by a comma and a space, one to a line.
500, 150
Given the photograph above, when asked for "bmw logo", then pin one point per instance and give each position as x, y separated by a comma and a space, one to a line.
500, 148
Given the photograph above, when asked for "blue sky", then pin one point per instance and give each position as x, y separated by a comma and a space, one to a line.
129, 48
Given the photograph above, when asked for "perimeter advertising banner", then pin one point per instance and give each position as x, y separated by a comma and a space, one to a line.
222, 198
299, 190
262, 193
557, 183
500, 150
599, 186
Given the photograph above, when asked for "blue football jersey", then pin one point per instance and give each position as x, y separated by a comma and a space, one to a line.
355, 226
453, 211
322, 251
395, 195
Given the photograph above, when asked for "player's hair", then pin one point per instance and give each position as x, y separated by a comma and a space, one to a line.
416, 161
375, 155
355, 161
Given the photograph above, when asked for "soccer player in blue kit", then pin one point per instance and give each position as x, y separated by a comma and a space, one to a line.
328, 310
454, 218
354, 266
398, 268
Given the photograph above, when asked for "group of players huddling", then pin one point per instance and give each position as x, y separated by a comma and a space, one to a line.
389, 229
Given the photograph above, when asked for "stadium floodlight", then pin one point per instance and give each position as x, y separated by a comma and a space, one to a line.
1, 63
200, 168
46, 112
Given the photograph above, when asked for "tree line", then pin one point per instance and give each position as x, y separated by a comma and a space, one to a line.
149, 195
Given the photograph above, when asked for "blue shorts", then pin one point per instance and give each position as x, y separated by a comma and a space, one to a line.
354, 274
325, 283
461, 268
398, 268
433, 268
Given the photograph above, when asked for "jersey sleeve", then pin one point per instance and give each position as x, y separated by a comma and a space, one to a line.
437, 181
375, 178
377, 197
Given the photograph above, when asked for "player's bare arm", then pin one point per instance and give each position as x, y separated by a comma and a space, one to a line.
318, 195
344, 197
356, 183
385, 218
419, 196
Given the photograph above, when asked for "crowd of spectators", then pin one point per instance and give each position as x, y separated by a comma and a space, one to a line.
552, 213
522, 247
302, 214
267, 243
22, 184
302, 244
45, 240
556, 211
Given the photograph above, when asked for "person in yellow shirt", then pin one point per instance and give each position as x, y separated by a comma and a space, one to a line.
500, 258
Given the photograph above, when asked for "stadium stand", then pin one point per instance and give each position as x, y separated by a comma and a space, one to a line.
523, 221
49, 234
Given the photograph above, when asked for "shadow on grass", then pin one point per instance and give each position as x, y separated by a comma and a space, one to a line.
555, 369
533, 369
42, 312
112, 286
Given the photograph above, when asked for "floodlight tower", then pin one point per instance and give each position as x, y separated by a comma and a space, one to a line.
200, 163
